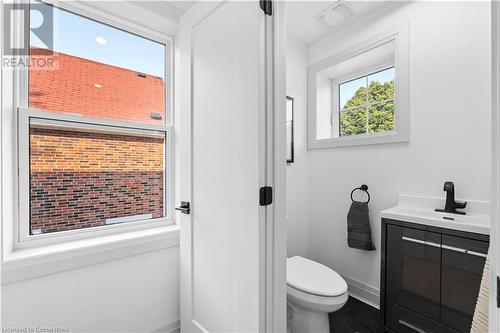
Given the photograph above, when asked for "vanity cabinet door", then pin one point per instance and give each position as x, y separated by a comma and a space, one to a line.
413, 269
463, 262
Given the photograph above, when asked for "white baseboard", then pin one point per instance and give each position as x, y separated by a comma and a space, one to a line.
363, 292
173, 327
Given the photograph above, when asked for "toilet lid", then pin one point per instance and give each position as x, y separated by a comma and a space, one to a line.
313, 278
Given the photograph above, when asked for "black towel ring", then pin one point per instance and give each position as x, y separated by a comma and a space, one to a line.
363, 188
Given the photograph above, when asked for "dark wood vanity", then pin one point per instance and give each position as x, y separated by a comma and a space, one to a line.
430, 277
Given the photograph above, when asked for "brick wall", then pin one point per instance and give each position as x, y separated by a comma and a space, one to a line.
80, 179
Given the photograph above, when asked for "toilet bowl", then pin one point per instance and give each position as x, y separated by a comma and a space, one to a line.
313, 290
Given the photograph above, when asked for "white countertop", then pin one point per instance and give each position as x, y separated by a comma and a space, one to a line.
420, 210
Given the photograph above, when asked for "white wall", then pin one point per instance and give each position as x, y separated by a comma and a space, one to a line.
133, 294
450, 129
297, 172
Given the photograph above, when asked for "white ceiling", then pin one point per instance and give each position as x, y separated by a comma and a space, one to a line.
171, 10
300, 17
300, 14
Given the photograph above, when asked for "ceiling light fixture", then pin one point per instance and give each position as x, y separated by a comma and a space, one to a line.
98, 85
334, 15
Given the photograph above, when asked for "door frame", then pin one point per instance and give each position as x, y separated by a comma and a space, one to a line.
272, 304
494, 312
277, 311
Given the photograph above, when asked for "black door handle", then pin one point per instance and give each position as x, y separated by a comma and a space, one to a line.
185, 207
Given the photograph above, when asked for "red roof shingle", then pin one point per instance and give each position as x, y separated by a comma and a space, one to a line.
89, 88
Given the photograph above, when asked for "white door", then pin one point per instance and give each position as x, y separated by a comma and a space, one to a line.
222, 118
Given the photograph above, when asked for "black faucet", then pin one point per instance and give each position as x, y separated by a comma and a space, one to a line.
451, 205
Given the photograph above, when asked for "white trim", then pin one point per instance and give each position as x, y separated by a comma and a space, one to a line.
3, 212
276, 283
402, 90
9, 158
130, 218
363, 292
34, 262
494, 312
266, 155
87, 122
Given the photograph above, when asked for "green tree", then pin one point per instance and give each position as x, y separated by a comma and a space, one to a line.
380, 115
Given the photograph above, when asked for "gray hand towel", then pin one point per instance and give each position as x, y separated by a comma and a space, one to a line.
359, 233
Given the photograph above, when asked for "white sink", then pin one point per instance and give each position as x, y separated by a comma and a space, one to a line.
421, 210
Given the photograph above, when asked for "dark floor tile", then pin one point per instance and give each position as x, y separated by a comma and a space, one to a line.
355, 317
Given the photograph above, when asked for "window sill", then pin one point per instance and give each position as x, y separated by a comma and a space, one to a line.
359, 140
30, 263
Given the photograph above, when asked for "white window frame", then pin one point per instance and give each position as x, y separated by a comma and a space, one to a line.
23, 115
401, 63
336, 83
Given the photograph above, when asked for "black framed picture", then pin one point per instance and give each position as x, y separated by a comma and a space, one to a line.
289, 129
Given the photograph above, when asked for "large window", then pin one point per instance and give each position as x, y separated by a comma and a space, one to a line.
94, 129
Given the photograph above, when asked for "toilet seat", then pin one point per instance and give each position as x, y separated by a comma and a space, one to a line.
315, 303
314, 278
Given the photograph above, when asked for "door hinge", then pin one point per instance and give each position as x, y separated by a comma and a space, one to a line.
498, 291
266, 196
267, 7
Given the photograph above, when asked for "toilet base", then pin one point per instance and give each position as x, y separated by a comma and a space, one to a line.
304, 321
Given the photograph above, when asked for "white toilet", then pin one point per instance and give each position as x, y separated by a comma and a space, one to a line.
313, 290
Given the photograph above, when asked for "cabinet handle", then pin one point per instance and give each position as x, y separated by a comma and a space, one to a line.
419, 241
464, 251
410, 326
447, 247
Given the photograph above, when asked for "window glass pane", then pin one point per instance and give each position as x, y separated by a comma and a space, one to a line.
352, 122
381, 117
81, 179
352, 93
99, 71
381, 85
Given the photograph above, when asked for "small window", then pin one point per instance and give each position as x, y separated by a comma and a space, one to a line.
361, 95
366, 104
94, 130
